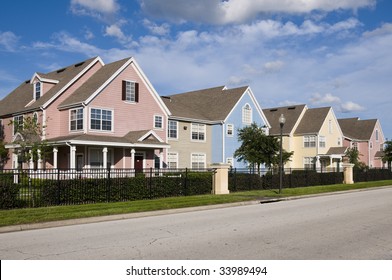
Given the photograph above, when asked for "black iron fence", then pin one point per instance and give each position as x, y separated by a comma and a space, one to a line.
247, 179
29, 188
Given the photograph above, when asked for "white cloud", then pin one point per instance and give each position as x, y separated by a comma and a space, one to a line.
318, 99
9, 41
273, 66
115, 31
235, 11
350, 106
156, 29
101, 6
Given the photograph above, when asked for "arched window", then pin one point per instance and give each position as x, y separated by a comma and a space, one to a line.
247, 114
37, 90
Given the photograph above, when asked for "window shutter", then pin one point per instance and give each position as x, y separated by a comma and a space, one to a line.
124, 90
136, 92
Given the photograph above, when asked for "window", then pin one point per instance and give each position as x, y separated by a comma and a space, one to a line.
18, 124
198, 132
230, 130
198, 161
130, 91
354, 145
158, 122
76, 119
35, 118
173, 129
309, 141
339, 141
172, 160
308, 162
96, 158
377, 135
247, 114
101, 119
371, 145
330, 127
37, 90
322, 143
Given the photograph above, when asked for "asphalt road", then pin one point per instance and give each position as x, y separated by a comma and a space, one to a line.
353, 226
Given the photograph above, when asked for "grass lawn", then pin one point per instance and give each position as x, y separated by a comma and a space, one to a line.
46, 214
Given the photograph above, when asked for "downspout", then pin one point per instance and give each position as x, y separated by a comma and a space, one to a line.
85, 121
223, 142
43, 123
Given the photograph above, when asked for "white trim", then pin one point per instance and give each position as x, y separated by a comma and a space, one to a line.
112, 144
45, 80
69, 120
151, 132
162, 121
177, 129
88, 67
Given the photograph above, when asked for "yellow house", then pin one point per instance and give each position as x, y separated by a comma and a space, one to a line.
314, 135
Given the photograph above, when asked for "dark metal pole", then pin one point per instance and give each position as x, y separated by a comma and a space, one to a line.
282, 120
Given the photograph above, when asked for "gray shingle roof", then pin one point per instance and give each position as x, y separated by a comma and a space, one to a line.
212, 104
94, 83
357, 129
18, 100
291, 113
337, 151
312, 120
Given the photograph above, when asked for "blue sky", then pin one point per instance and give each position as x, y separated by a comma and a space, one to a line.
319, 52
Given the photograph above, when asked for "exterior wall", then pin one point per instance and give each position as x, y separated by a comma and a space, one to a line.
128, 116
184, 146
58, 121
377, 139
300, 152
224, 148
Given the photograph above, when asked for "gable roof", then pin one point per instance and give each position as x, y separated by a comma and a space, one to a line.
94, 83
356, 129
20, 99
312, 120
291, 113
212, 104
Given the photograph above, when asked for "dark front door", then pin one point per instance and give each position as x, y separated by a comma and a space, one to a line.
139, 162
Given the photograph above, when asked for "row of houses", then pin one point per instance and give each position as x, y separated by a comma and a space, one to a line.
98, 115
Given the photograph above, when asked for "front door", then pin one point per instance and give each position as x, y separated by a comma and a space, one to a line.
139, 162
79, 162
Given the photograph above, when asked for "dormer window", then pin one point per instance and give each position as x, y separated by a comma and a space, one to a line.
37, 90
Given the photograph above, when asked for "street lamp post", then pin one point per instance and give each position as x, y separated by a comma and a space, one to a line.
282, 120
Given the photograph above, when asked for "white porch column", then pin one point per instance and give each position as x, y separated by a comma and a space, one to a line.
318, 163
39, 161
105, 157
132, 158
31, 161
55, 152
72, 157
161, 160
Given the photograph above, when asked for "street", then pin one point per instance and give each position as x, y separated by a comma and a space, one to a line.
352, 226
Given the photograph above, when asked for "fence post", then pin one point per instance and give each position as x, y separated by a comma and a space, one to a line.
348, 173
220, 182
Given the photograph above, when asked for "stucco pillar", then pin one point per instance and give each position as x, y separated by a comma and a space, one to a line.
55, 153
220, 182
105, 157
39, 161
348, 173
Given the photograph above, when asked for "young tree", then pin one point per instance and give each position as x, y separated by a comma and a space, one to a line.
257, 148
388, 153
29, 134
353, 157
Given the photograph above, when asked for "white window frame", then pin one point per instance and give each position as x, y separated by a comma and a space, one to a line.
35, 90
322, 142
172, 159
377, 136
309, 162
169, 128
101, 120
161, 121
200, 131
130, 91
310, 141
19, 121
230, 130
76, 119
199, 159
247, 114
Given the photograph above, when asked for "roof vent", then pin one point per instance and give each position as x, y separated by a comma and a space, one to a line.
61, 70
79, 64
291, 108
273, 110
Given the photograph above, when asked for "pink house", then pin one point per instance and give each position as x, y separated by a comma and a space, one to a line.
367, 137
95, 115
